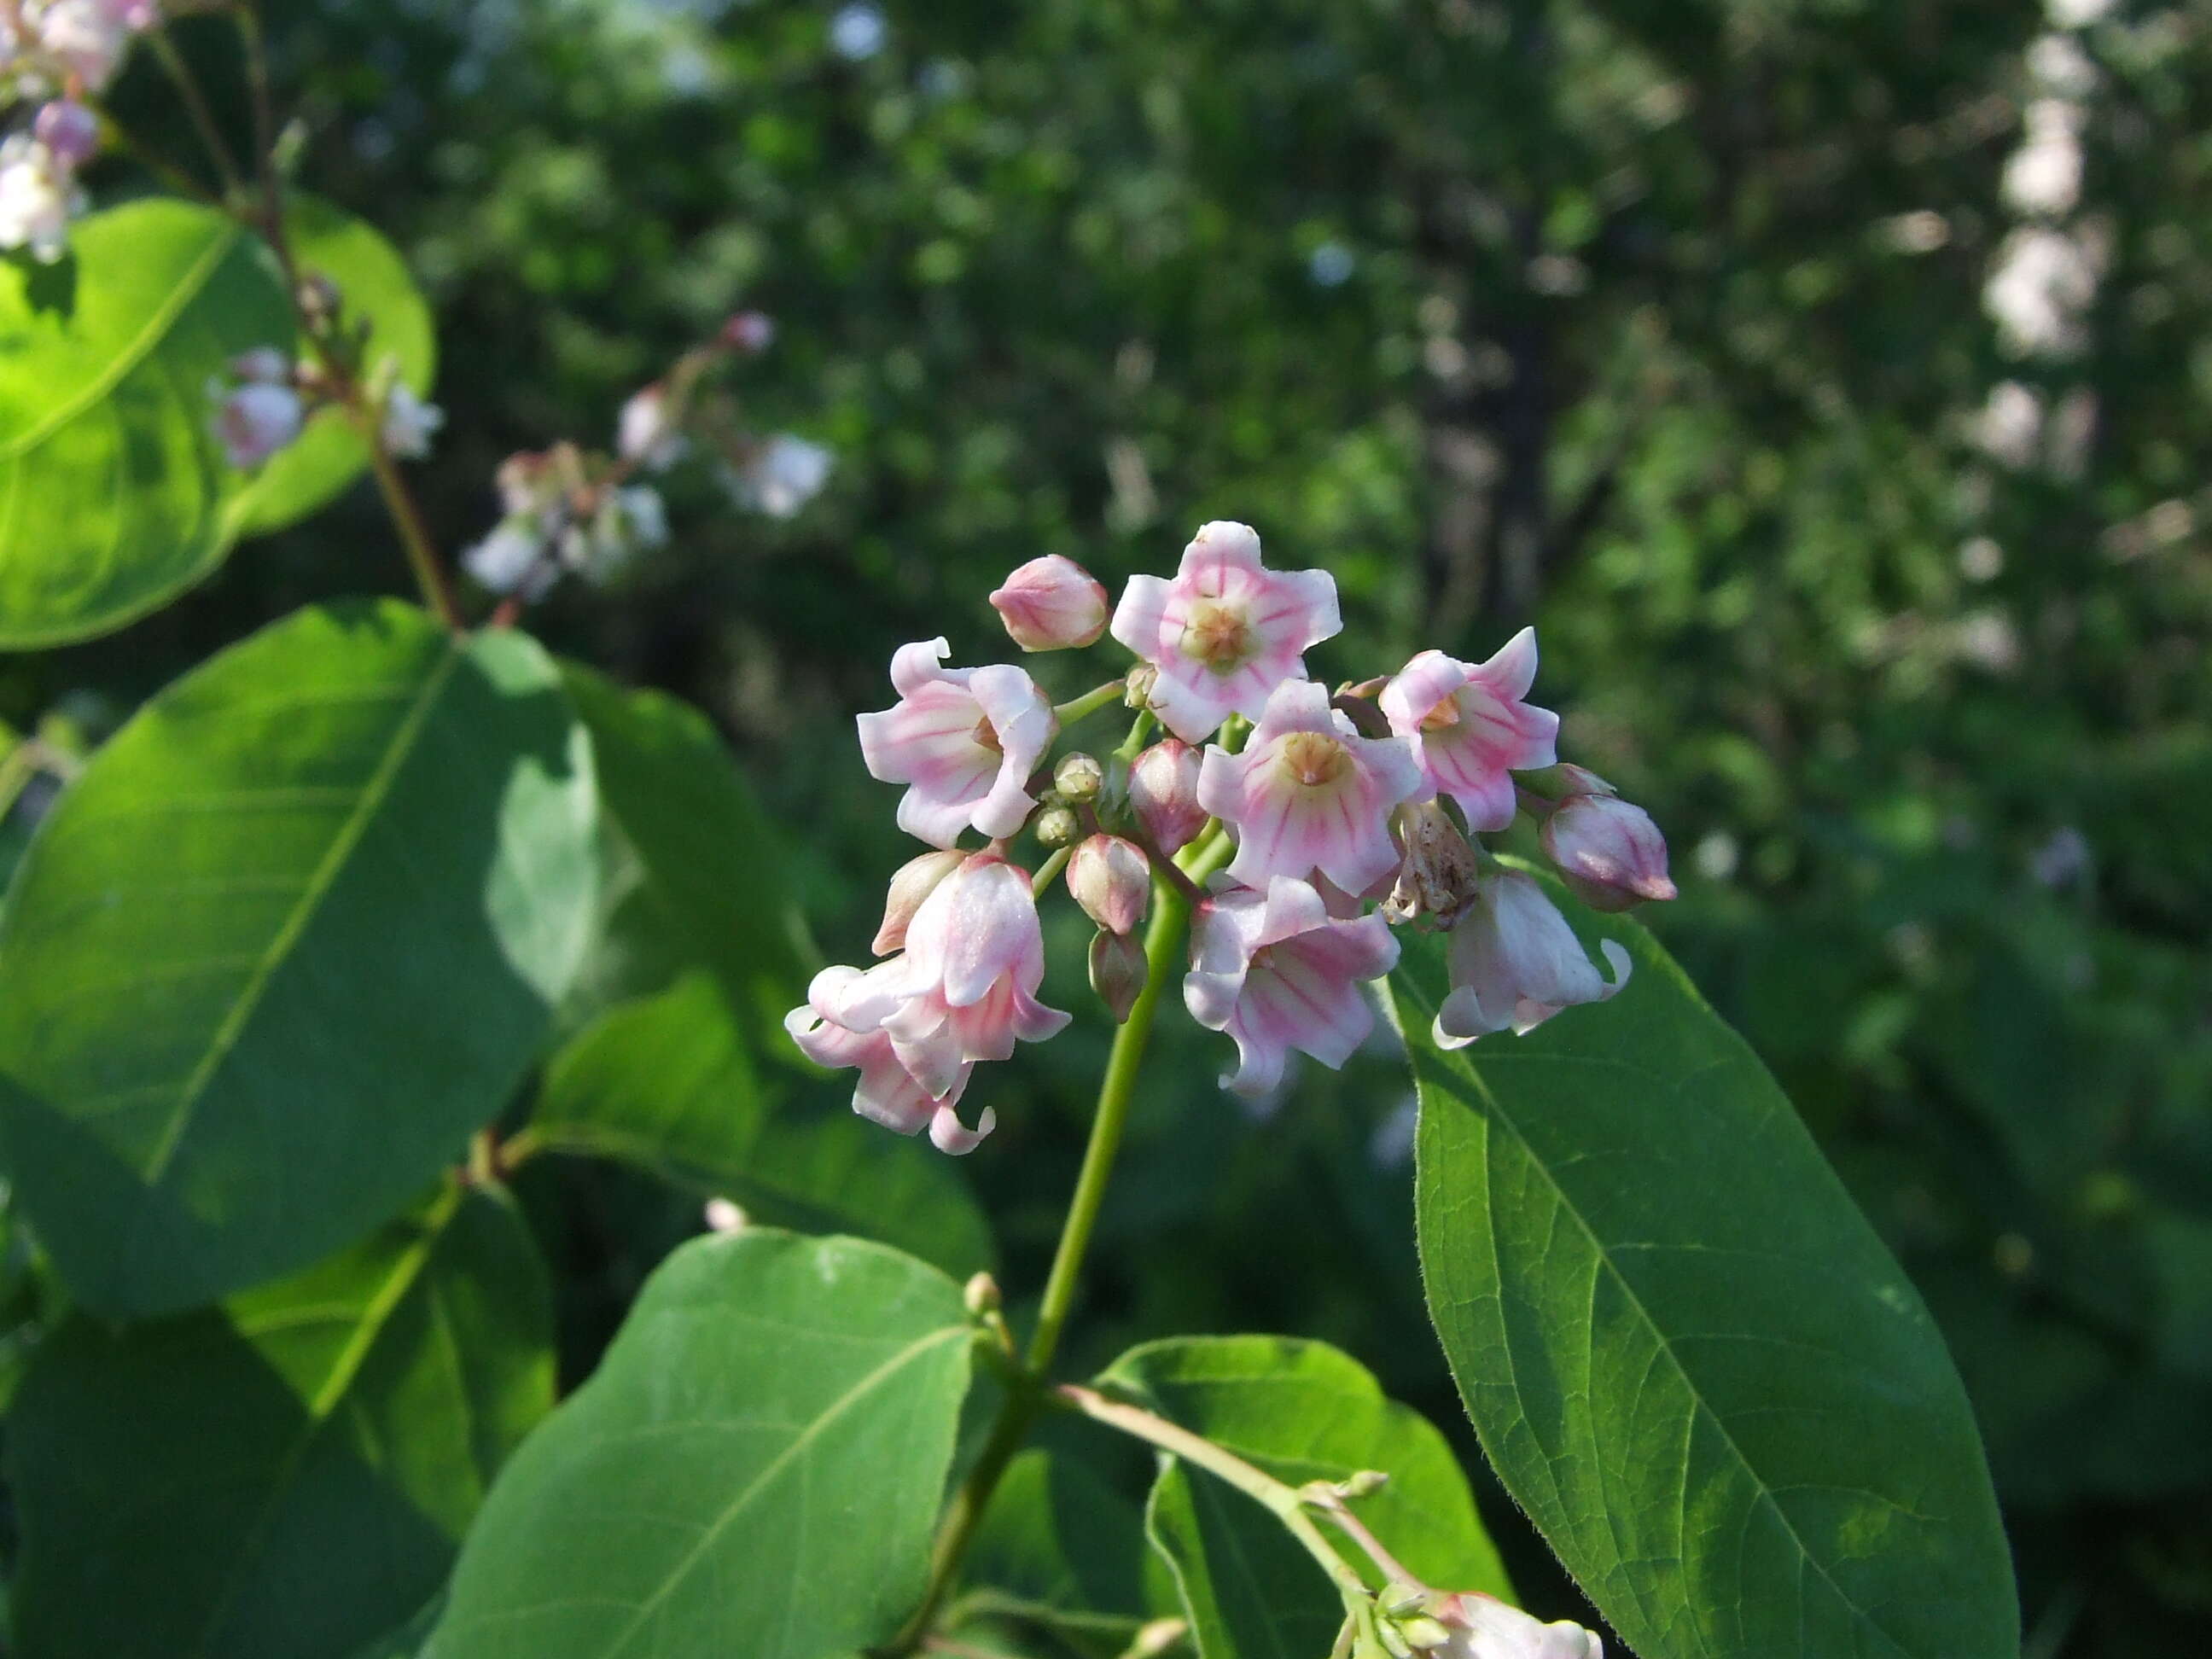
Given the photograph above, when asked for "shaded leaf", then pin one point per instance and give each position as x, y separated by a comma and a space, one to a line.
668, 1084
1303, 1412
114, 496
289, 1474
1688, 1355
298, 928
755, 1467
1059, 1547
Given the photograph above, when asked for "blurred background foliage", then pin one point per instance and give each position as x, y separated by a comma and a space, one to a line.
1846, 448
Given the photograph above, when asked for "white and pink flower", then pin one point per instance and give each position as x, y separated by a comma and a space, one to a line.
1608, 851
1276, 971
256, 421
888, 1093
962, 740
1309, 794
1515, 963
1471, 729
1226, 631
1477, 1626
1051, 604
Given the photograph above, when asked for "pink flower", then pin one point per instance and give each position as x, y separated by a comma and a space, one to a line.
749, 331
963, 740
1277, 972
829, 1034
1226, 631
1515, 963
913, 882
1308, 792
1112, 880
70, 131
1164, 794
1051, 604
253, 421
1478, 1626
1609, 852
1469, 729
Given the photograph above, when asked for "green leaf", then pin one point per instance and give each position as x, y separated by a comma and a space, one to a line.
667, 1083
376, 288
114, 496
1303, 1412
755, 1468
1686, 1352
298, 928
1059, 1547
289, 1474
697, 860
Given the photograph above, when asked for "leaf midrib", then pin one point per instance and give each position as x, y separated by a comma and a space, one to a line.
373, 793
134, 352
1760, 1485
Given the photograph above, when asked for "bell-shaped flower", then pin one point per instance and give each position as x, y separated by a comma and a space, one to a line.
1226, 631
1477, 1626
1164, 794
1277, 972
1470, 728
1051, 604
1608, 851
831, 1032
1308, 792
962, 740
1515, 963
255, 421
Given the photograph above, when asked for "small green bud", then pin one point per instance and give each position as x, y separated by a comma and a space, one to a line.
1078, 777
982, 1296
1057, 826
1117, 971
1141, 680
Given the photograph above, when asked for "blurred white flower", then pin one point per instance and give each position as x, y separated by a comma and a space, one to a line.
37, 198
2045, 280
507, 561
643, 432
782, 475
858, 31
409, 423
2044, 173
254, 421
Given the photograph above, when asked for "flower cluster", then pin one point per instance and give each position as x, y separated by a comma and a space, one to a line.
1316, 821
266, 401
57, 54
569, 511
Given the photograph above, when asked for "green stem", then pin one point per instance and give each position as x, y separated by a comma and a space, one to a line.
1287, 1503
195, 106
1089, 703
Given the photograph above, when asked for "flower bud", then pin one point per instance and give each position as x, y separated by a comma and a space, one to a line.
70, 131
916, 880
1139, 686
1608, 851
1163, 791
724, 1217
253, 421
749, 331
1552, 786
1052, 603
1112, 880
1057, 826
644, 433
1078, 778
982, 1296
1474, 1626
1117, 972
1439, 874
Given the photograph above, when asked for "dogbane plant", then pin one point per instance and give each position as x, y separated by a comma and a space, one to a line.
382, 904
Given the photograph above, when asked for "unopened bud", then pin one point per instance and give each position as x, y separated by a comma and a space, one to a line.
643, 432
1051, 604
1365, 1483
1441, 869
319, 298
982, 1296
1141, 680
70, 131
1112, 880
1117, 971
724, 1217
1057, 826
915, 881
1164, 792
1552, 787
1608, 852
1078, 778
749, 330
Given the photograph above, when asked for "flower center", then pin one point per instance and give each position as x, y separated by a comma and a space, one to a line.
1312, 758
987, 735
1218, 635
1443, 716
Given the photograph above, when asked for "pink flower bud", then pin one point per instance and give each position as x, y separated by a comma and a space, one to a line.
749, 331
643, 432
1052, 603
1117, 972
1112, 880
1608, 851
1477, 1626
255, 421
915, 881
70, 131
1163, 791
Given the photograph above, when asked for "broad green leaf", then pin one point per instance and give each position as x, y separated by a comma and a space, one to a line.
375, 289
755, 1467
667, 1083
287, 1475
1686, 1352
1303, 1412
299, 928
406, 1641
1060, 1548
114, 496
697, 878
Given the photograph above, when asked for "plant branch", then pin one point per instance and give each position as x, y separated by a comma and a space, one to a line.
195, 105
1089, 703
